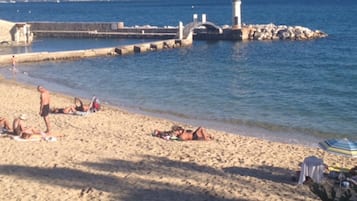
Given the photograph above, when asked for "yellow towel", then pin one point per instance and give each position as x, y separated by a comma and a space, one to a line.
338, 169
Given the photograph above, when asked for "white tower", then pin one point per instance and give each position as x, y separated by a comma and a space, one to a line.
236, 13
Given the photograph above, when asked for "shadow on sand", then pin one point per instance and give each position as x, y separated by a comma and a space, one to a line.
144, 179
274, 174
128, 187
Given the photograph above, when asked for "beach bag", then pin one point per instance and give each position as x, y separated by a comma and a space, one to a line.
95, 105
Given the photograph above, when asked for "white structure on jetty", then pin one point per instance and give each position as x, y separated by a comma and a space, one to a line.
270, 31
236, 12
15, 33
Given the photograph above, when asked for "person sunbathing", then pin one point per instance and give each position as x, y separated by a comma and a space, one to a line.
199, 134
79, 106
4, 125
65, 110
24, 132
177, 131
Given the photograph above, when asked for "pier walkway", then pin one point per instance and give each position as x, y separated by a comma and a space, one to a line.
100, 30
105, 34
110, 51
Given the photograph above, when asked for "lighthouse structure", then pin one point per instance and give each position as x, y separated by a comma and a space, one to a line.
236, 13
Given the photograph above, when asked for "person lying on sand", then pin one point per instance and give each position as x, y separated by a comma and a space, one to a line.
25, 132
4, 125
65, 110
177, 131
79, 106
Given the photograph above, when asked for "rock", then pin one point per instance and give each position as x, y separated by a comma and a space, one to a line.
282, 32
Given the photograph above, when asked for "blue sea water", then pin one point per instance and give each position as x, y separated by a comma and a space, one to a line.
292, 91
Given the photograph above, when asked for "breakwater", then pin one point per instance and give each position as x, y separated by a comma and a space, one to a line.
118, 30
110, 51
101, 30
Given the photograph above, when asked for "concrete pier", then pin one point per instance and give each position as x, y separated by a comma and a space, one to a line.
118, 30
79, 54
142, 48
130, 34
100, 30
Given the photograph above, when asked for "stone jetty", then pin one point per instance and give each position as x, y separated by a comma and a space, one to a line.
97, 52
280, 32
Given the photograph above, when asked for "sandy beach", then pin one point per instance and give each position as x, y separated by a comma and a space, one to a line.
111, 155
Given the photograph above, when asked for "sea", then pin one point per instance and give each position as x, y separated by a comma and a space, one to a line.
288, 91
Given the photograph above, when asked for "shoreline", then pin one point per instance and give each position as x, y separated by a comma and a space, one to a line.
261, 133
111, 155
281, 136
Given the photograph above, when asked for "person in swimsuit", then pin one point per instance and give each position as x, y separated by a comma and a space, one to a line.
13, 69
21, 130
65, 110
44, 106
199, 134
4, 125
79, 106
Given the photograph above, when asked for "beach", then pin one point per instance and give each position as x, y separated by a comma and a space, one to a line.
112, 155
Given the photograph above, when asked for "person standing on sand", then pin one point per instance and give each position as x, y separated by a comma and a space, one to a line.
44, 106
13, 69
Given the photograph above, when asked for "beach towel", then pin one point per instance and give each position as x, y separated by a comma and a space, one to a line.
165, 135
47, 139
79, 113
337, 169
50, 139
20, 139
